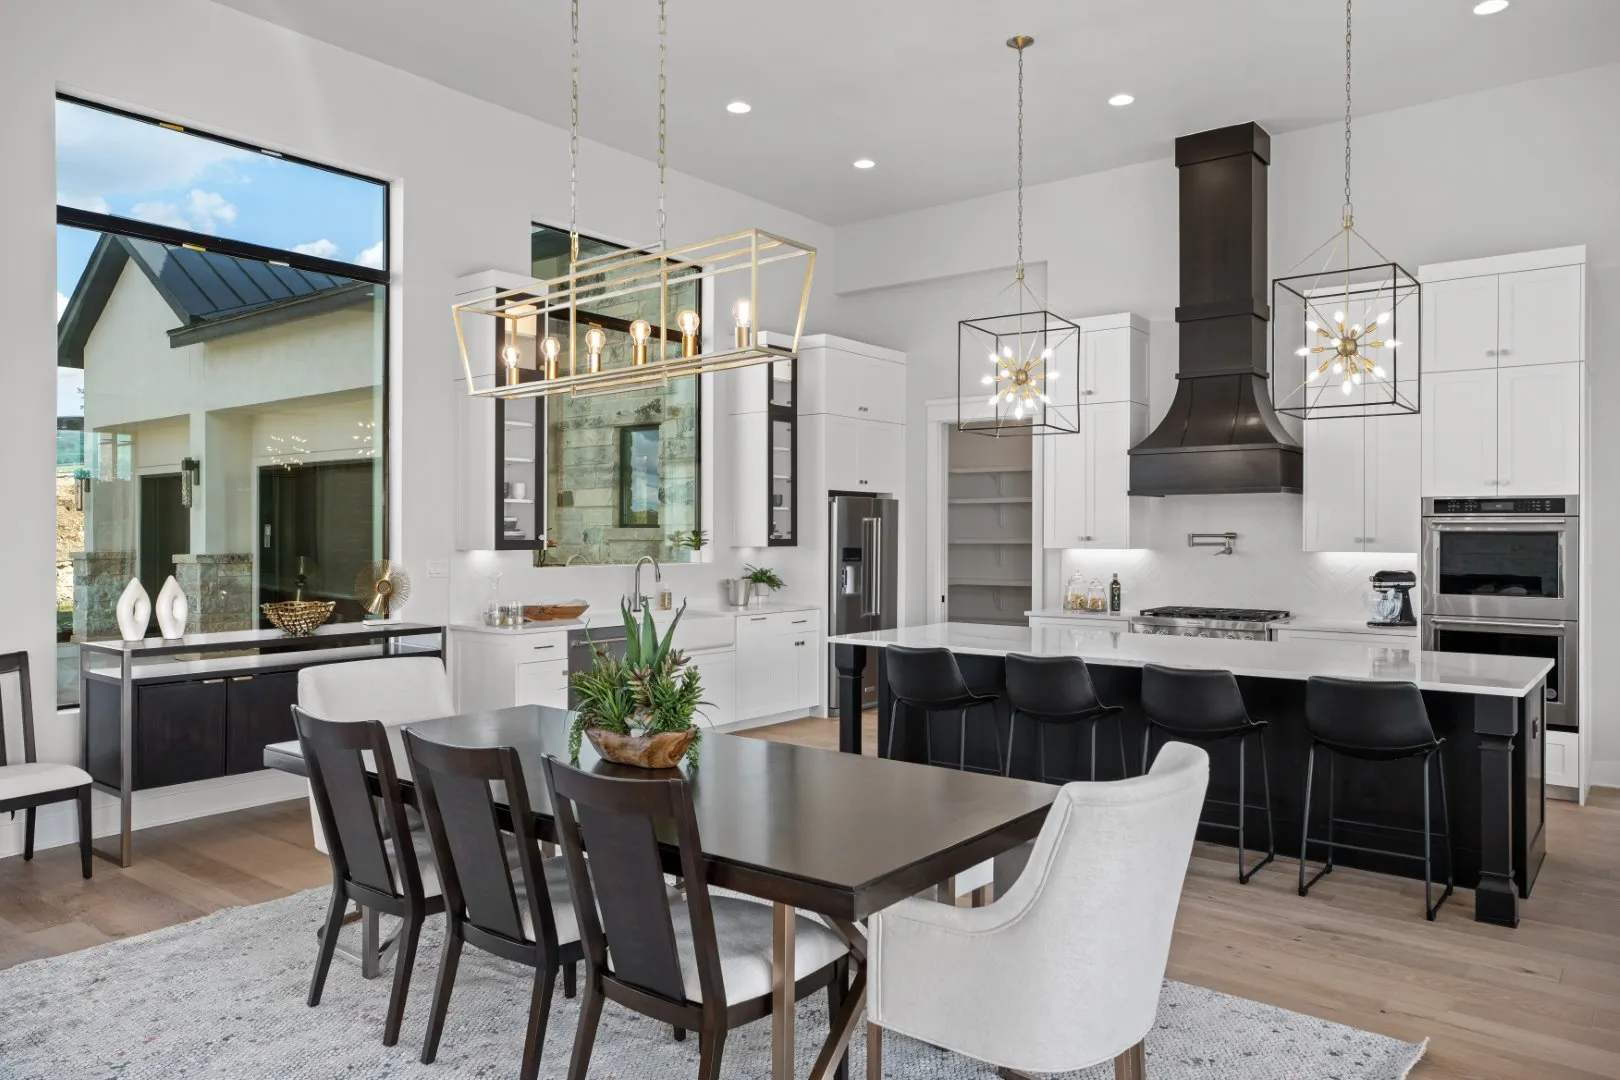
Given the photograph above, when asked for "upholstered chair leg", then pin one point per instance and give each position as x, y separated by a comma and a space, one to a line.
28, 834
534, 1040
680, 1034
874, 1051
570, 973
328, 943
84, 831
449, 960
590, 1015
409, 933
1132, 1064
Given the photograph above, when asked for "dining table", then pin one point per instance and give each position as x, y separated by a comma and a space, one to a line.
834, 834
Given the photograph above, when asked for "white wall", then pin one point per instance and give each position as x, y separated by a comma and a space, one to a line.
468, 178
1513, 169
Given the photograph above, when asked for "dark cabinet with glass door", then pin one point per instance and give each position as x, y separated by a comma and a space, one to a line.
783, 433
765, 455
520, 449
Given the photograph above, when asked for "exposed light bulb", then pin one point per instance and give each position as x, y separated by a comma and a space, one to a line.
743, 312
549, 348
739, 107
595, 341
1305, 351
1046, 354
1006, 350
1338, 317
1347, 388
1053, 374
994, 359
1379, 372
640, 332
1315, 374
987, 380
688, 322
1355, 377
1338, 366
1382, 319
1392, 344
1311, 326
994, 398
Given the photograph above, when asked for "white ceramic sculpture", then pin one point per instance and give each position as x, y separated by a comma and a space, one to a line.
171, 609
134, 611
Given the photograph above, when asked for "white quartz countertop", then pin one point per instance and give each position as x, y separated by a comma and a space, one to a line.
611, 617
1345, 626
1460, 673
1065, 613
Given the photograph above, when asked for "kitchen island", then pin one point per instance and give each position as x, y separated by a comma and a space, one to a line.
1487, 708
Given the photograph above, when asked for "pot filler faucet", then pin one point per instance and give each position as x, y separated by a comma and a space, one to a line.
637, 598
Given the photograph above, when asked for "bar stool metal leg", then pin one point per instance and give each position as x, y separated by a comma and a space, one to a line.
1093, 754
995, 735
1333, 786
1124, 765
1243, 804
961, 755
1305, 821
894, 725
1012, 733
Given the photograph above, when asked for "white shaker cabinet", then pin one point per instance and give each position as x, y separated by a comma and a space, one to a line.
1539, 317
867, 456
1393, 499
1459, 324
1459, 433
778, 663
1113, 364
1085, 477
1538, 420
1361, 487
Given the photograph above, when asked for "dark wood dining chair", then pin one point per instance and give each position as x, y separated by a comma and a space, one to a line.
696, 962
377, 860
519, 909
27, 783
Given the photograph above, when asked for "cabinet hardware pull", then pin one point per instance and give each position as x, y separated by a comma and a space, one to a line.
757, 618
210, 682
800, 622
538, 647
241, 678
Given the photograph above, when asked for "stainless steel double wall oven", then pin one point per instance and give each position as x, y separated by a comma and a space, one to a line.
1502, 577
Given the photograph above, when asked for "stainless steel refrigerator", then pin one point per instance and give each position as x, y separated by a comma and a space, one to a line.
865, 557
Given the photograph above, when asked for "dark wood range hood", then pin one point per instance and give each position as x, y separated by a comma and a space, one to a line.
1221, 435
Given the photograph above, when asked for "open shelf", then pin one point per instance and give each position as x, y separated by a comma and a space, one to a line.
519, 460
990, 583
1014, 541
518, 423
519, 502
981, 470
1000, 500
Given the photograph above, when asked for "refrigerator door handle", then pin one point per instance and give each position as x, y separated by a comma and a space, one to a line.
877, 567
869, 568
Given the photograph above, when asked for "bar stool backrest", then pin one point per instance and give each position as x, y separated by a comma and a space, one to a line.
1193, 701
925, 677
1362, 714
1054, 686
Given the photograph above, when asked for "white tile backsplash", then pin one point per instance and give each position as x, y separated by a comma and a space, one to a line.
1268, 569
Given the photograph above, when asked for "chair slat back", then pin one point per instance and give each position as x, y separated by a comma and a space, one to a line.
458, 801
16, 738
619, 892
356, 823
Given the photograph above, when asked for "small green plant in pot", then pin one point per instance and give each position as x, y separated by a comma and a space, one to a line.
763, 578
641, 710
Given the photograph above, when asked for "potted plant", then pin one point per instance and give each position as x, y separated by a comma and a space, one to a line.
689, 541
763, 578
641, 710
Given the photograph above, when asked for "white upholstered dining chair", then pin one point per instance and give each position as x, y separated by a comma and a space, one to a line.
392, 690
1063, 971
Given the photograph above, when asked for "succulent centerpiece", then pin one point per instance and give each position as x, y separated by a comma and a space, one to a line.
641, 710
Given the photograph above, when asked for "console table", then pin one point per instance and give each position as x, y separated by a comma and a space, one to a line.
172, 711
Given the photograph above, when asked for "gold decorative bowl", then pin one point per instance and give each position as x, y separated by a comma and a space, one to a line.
298, 617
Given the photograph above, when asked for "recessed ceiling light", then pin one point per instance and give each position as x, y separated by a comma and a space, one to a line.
865, 163
739, 107
1120, 99
1490, 7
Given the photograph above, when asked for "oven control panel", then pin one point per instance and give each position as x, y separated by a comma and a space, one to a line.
1499, 506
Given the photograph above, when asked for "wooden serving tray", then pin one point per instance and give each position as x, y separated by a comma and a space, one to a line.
559, 612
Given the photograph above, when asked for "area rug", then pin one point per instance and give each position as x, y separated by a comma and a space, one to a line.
223, 997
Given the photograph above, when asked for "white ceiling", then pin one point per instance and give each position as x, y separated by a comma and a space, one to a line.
926, 87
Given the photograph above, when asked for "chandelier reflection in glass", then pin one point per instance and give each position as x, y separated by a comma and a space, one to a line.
543, 348
1345, 338
1018, 373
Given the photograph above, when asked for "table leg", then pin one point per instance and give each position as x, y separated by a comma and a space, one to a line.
874, 1051
945, 892
784, 964
850, 663
834, 1057
126, 764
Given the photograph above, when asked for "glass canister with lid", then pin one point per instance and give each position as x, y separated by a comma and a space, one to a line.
1096, 596
1074, 593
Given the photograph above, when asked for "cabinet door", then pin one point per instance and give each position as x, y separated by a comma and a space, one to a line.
543, 682
258, 711
841, 447
1064, 475
1539, 430
1108, 364
1335, 484
859, 387
882, 457
755, 644
1540, 317
1459, 433
1109, 431
804, 631
719, 673
1394, 507
179, 733
1459, 324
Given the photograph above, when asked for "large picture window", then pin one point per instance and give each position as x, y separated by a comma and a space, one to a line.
623, 470
221, 377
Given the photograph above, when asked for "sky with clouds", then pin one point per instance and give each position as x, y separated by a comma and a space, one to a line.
111, 164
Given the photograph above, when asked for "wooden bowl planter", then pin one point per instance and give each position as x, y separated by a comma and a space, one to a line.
662, 750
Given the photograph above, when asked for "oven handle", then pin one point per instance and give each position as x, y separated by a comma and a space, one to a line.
1549, 628
1499, 525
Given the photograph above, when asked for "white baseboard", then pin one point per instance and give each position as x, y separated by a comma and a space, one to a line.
767, 721
58, 824
1604, 773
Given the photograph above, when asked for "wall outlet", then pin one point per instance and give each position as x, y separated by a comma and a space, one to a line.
438, 568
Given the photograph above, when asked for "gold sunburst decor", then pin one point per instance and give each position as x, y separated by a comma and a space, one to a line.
382, 587
1340, 333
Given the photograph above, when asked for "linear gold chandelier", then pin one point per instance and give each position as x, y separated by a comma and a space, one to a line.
538, 335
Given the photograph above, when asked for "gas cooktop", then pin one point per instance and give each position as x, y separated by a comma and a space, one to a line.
1217, 613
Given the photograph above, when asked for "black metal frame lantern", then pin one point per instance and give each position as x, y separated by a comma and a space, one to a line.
1347, 342
1018, 374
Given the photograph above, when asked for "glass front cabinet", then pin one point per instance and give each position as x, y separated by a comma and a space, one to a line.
765, 455
519, 471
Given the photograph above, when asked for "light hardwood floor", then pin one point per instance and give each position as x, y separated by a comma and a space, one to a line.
1538, 1003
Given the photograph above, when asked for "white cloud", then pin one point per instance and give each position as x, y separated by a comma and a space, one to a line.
93, 203
100, 155
321, 249
61, 306
202, 211
372, 256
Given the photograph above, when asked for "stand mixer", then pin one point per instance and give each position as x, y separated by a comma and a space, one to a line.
1397, 611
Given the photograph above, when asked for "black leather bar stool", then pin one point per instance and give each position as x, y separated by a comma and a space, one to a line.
1374, 721
929, 681
1206, 706
1056, 691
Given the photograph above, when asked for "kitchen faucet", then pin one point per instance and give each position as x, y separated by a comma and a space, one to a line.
637, 600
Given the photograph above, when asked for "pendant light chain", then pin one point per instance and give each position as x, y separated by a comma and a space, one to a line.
663, 35
1349, 208
573, 139
1020, 272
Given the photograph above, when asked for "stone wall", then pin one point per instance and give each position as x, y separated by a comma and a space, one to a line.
99, 578
219, 590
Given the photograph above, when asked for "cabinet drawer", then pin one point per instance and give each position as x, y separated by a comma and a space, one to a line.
1352, 638
258, 711
774, 621
179, 733
1563, 758
542, 682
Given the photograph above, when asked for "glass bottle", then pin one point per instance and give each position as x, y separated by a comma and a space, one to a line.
1114, 595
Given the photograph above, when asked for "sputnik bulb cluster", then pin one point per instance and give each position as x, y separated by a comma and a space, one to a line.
1018, 381
1343, 347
